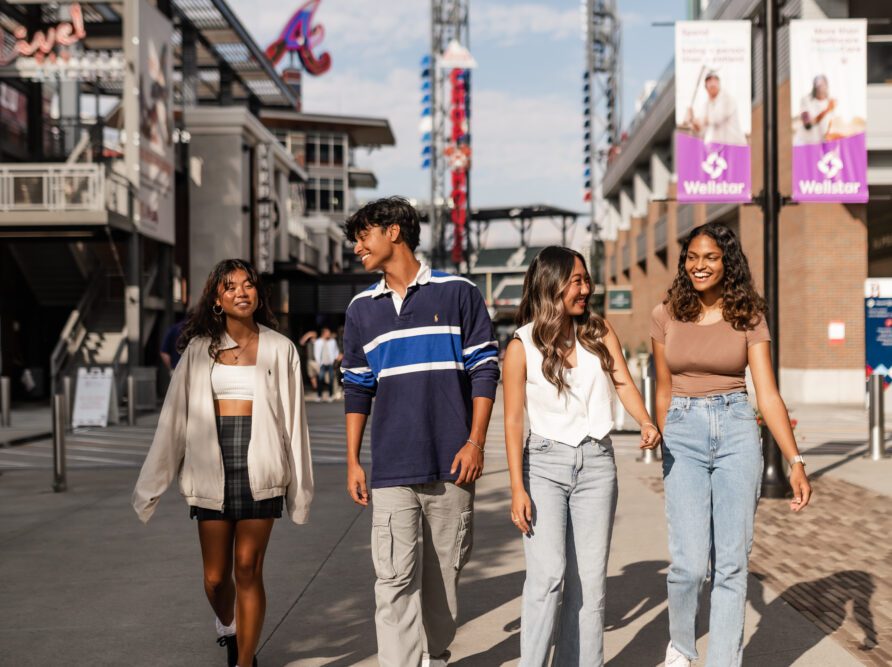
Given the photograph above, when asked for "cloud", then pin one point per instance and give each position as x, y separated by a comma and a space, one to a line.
507, 24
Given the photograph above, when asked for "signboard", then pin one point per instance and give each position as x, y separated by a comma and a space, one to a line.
619, 300
712, 111
93, 397
265, 241
156, 157
878, 327
828, 91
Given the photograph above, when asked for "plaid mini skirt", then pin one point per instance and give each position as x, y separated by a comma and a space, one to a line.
234, 434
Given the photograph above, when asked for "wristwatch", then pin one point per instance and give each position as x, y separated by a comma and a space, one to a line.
798, 459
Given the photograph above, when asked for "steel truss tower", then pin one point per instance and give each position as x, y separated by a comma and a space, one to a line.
602, 112
449, 21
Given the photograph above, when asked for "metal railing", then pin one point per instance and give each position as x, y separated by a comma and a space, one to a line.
74, 331
660, 234
641, 247
52, 187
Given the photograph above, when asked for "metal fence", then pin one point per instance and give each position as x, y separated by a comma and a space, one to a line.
52, 187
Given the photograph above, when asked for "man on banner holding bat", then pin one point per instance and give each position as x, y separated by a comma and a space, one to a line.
715, 119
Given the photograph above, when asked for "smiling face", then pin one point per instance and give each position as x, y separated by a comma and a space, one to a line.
713, 86
576, 293
375, 245
703, 263
237, 295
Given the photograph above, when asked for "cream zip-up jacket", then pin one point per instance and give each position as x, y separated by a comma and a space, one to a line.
186, 442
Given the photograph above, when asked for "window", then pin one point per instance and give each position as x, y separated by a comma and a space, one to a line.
325, 194
338, 156
325, 150
312, 191
337, 197
311, 150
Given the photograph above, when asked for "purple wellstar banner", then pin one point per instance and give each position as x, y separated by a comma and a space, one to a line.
828, 90
711, 172
834, 171
713, 95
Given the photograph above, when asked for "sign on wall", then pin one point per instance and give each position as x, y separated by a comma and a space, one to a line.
712, 111
93, 397
265, 237
619, 300
828, 94
878, 327
156, 150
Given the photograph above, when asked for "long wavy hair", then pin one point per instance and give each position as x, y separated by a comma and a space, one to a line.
542, 304
742, 306
203, 322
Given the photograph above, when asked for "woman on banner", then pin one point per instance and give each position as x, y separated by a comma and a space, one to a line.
233, 427
710, 328
816, 113
562, 365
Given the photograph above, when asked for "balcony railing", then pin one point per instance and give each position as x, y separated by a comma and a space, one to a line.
641, 247
52, 187
660, 235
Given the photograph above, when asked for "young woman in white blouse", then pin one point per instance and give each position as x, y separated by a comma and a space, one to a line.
233, 427
561, 365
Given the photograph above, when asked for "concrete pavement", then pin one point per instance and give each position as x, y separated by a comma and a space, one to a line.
85, 583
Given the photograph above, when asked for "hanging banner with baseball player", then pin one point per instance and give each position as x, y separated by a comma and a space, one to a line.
828, 94
713, 89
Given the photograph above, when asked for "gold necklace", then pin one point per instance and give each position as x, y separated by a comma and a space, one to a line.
242, 348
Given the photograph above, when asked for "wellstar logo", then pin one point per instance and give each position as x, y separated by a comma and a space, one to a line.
828, 187
712, 188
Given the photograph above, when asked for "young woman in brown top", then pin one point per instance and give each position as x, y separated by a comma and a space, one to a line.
708, 330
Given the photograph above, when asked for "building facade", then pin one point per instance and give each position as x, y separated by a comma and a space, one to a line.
826, 250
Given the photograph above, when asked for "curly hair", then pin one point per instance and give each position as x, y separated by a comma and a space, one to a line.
542, 304
742, 306
383, 213
203, 322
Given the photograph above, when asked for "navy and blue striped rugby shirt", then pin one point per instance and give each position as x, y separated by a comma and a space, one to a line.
423, 365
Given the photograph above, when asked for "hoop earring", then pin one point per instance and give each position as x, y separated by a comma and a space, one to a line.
217, 312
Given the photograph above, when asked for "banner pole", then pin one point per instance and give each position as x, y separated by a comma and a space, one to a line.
774, 483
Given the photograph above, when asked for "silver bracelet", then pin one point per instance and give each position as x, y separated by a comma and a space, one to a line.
475, 444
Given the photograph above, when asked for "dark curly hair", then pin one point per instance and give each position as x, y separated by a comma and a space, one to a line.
203, 322
383, 213
742, 305
542, 304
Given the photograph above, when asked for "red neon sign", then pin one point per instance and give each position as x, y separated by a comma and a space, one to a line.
302, 37
42, 45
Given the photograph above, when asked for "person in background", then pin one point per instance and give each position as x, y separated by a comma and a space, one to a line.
420, 343
709, 329
234, 429
306, 343
326, 354
170, 355
716, 119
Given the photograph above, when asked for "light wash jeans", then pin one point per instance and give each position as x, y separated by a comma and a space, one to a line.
712, 471
573, 492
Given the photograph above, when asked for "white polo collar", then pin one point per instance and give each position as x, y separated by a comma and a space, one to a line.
423, 277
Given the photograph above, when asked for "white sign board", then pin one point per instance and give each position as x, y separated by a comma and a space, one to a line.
93, 396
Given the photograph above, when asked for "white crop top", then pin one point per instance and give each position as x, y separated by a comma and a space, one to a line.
583, 409
233, 383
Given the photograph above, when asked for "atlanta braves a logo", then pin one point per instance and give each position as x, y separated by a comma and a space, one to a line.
301, 36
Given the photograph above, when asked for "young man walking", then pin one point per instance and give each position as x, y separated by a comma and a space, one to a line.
420, 343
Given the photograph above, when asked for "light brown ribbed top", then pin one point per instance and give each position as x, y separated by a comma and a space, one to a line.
705, 359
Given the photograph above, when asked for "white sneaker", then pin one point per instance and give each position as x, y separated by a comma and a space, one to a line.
432, 662
676, 659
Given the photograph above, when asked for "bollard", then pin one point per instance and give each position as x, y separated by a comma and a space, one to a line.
649, 393
5, 402
876, 387
131, 400
66, 393
59, 481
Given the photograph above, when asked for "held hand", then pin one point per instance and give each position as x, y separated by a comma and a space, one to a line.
801, 488
356, 484
521, 511
470, 460
650, 436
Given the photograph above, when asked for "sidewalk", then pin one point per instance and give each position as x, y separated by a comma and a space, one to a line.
86, 583
28, 423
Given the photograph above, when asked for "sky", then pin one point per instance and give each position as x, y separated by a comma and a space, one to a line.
526, 91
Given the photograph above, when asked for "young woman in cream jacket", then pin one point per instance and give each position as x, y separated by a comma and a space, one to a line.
234, 429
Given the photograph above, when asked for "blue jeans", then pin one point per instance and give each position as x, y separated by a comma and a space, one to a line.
573, 492
712, 472
326, 377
